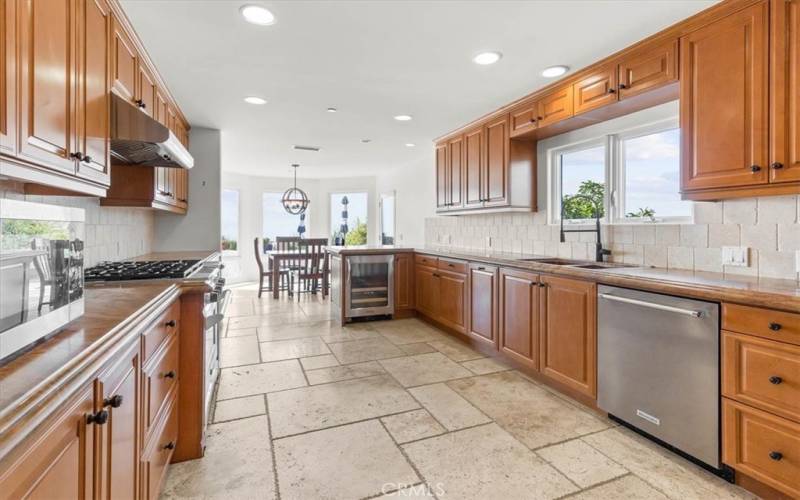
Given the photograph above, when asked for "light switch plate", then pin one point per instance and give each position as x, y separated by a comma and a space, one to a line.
736, 256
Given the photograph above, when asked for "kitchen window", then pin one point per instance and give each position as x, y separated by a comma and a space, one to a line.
349, 217
276, 221
230, 222
631, 176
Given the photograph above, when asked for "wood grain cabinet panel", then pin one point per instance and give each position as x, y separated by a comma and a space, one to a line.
455, 166
147, 91
724, 102
124, 63
764, 323
403, 281
762, 445
596, 90
160, 379
762, 373
427, 290
474, 166
785, 90
452, 300
555, 106
568, 347
158, 452
519, 316
497, 163
483, 303
648, 69
61, 463
8, 85
441, 177
46, 45
94, 85
523, 118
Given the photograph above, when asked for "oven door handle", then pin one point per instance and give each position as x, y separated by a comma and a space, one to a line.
213, 320
226, 296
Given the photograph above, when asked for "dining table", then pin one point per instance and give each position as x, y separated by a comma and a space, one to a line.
276, 257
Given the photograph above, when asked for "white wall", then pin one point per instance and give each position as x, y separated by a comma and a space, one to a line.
199, 229
415, 190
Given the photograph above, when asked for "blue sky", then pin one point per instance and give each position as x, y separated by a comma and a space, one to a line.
276, 220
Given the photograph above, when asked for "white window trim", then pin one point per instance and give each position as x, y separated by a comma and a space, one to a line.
614, 174
234, 253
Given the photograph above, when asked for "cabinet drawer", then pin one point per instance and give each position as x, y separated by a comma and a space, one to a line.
166, 324
766, 323
156, 457
426, 260
160, 376
455, 266
762, 373
762, 445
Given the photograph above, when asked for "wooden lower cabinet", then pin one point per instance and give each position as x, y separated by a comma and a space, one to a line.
158, 451
520, 316
427, 290
442, 295
403, 282
568, 340
483, 304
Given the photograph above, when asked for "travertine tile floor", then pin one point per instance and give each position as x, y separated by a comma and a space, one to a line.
308, 410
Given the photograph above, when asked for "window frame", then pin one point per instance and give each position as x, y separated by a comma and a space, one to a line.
348, 192
234, 253
555, 176
263, 219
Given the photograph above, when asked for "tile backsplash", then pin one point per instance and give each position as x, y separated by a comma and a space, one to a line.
768, 226
112, 233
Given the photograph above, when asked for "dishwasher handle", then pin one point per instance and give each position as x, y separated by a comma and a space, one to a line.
651, 305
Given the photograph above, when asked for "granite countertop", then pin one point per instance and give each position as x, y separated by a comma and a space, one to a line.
368, 250
764, 292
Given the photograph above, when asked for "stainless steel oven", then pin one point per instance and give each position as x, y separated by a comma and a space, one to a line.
214, 304
369, 287
41, 272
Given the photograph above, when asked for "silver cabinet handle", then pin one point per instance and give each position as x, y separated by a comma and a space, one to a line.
651, 305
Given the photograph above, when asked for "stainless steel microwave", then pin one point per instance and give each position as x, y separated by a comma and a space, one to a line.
41, 272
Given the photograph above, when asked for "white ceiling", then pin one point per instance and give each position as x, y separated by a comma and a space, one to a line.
372, 60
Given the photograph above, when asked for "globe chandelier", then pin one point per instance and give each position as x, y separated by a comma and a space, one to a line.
294, 200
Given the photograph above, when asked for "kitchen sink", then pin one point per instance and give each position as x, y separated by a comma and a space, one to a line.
575, 263
554, 261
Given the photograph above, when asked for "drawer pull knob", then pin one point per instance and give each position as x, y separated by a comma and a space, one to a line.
114, 401
775, 380
170, 374
775, 326
170, 446
99, 418
755, 168
775, 455
171, 323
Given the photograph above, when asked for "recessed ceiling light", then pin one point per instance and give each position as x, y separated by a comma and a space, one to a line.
331, 110
402, 118
255, 100
410, 145
257, 14
554, 71
485, 58
365, 141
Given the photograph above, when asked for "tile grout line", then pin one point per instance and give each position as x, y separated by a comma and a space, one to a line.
272, 450
597, 485
336, 426
413, 466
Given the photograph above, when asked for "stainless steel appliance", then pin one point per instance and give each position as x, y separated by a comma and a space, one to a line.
369, 287
41, 271
658, 367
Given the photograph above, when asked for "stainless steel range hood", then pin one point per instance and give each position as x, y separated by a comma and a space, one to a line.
138, 139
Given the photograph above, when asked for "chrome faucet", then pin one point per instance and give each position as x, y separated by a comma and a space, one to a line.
599, 250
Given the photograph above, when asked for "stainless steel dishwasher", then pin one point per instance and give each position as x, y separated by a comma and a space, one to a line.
658, 367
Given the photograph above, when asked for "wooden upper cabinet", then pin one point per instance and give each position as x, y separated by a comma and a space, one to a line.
596, 90
124, 63
94, 85
568, 347
474, 163
519, 316
146, 91
524, 118
648, 68
495, 184
182, 187
724, 102
483, 304
555, 106
161, 108
46, 39
455, 166
8, 86
441, 176
785, 89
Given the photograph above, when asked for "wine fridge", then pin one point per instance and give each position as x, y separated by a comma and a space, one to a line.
369, 287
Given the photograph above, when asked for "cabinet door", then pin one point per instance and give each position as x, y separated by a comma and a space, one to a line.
160, 112
483, 303
555, 106
568, 350
404, 281
523, 118
519, 316
441, 176
473, 167
453, 300
724, 102
94, 85
596, 90
124, 60
47, 98
162, 187
648, 69
455, 158
182, 187
427, 291
8, 86
495, 183
60, 464
785, 87
120, 445
146, 90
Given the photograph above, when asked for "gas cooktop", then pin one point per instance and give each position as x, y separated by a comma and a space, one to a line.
141, 270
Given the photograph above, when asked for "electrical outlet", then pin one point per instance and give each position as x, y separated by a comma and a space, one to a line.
736, 256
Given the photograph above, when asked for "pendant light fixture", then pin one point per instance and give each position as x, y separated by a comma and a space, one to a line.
294, 200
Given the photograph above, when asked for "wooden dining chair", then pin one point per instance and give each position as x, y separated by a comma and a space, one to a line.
264, 272
311, 272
